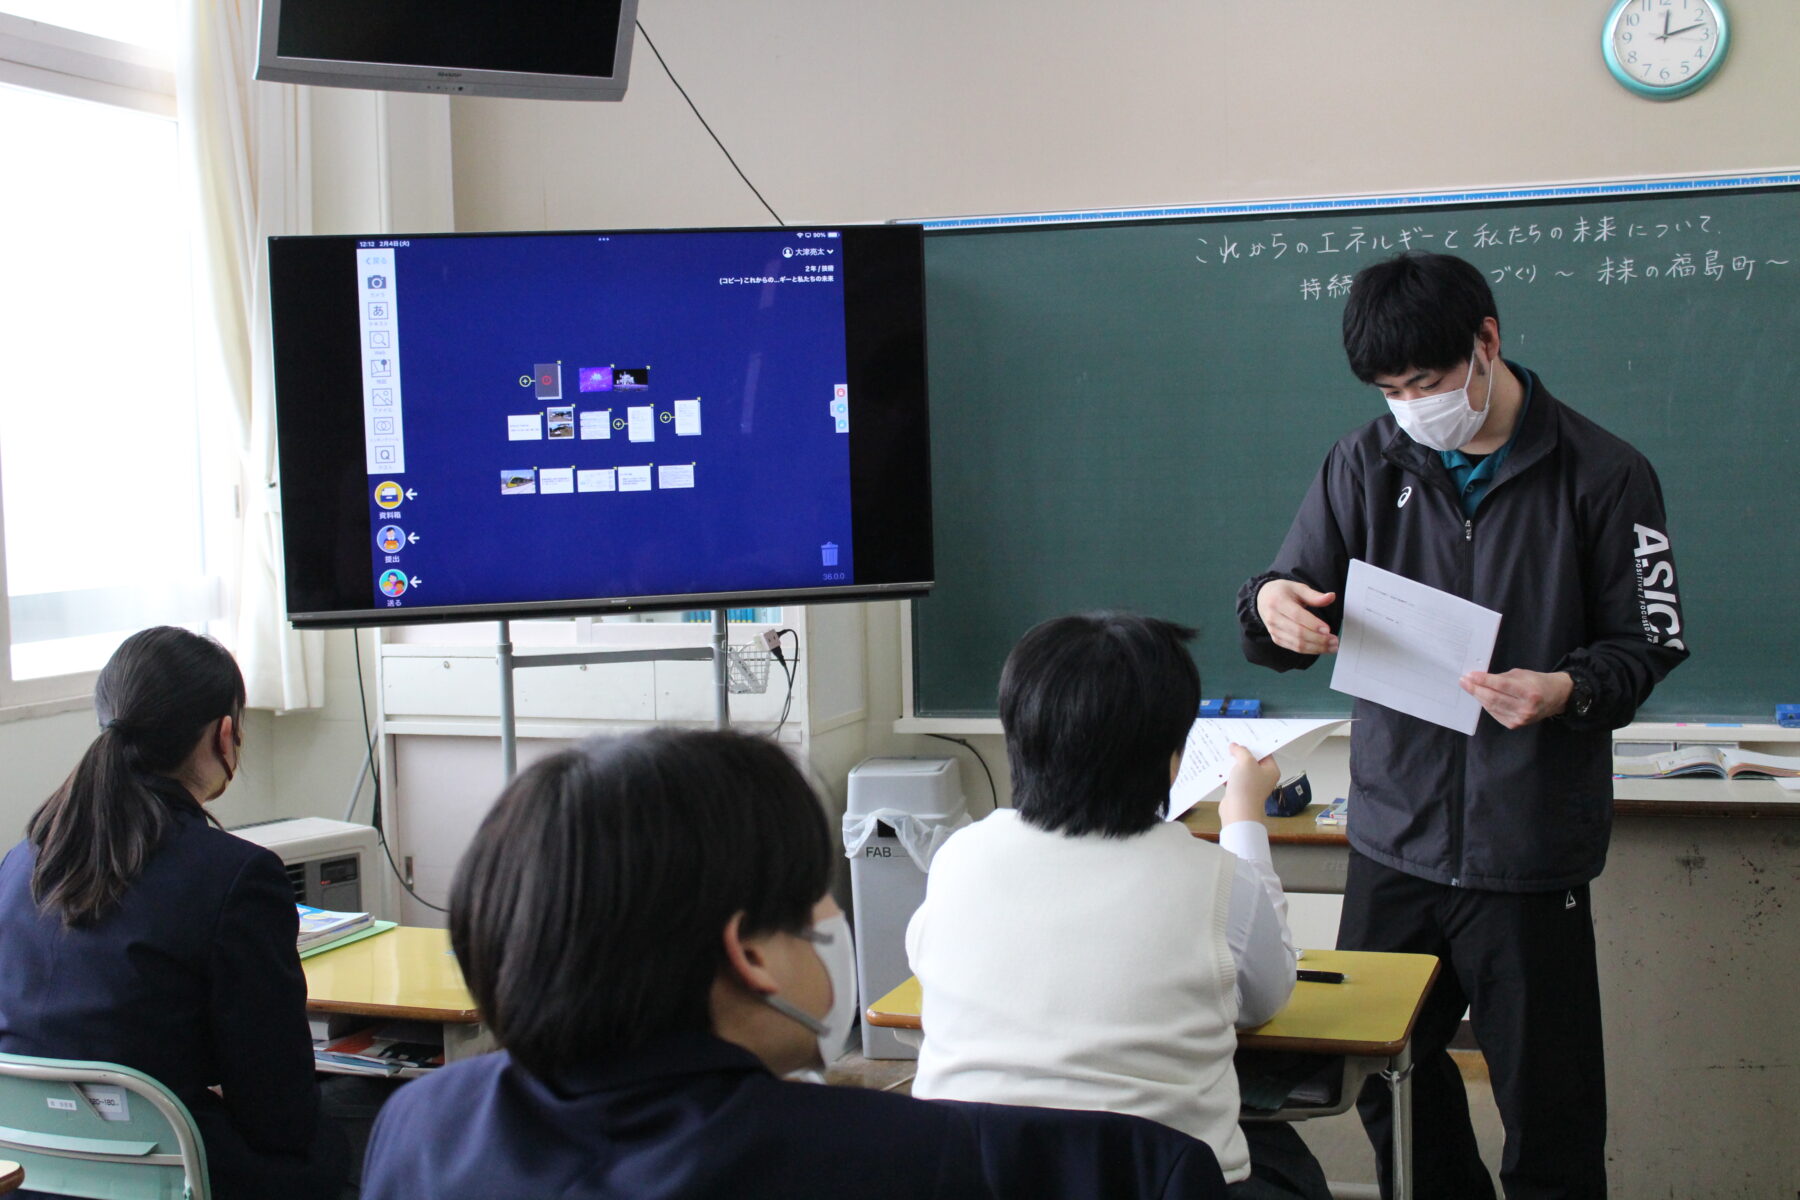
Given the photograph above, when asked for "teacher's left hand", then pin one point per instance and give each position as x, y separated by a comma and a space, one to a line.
1518, 697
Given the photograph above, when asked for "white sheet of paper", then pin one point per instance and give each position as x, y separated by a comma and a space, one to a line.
525, 427
596, 481
640, 423
634, 479
675, 475
1206, 760
1405, 645
687, 418
596, 423
556, 480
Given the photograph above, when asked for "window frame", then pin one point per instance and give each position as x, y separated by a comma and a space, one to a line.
49, 58
43, 57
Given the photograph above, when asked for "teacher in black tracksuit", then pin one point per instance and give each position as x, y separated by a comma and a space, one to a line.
134, 930
1479, 848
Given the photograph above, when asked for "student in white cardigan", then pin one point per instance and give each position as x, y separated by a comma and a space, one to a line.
1078, 951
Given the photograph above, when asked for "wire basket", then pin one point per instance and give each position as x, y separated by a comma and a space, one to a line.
747, 669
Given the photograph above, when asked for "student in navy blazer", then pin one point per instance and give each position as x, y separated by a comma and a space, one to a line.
134, 930
645, 926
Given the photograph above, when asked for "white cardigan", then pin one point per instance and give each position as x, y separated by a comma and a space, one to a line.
1086, 973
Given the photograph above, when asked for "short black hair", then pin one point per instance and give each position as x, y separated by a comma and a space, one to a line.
1414, 311
1093, 706
587, 914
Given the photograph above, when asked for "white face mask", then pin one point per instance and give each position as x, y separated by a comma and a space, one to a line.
1446, 420
831, 942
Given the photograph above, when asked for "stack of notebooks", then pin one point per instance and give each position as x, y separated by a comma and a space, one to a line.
320, 927
384, 1049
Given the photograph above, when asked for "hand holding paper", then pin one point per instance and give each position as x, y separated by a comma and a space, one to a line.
1408, 646
1247, 785
1518, 697
1207, 759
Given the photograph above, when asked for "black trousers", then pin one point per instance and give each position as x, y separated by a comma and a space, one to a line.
1523, 964
1281, 1167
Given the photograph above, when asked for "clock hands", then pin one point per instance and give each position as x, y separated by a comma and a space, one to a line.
1668, 33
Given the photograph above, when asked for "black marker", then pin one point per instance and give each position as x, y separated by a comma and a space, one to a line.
1319, 976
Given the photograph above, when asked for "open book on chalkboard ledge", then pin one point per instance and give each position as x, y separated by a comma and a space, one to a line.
1715, 762
319, 925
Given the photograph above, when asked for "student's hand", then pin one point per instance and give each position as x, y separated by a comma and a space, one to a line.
1249, 784
1518, 697
1285, 606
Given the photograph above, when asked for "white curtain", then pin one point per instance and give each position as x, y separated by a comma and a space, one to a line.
248, 154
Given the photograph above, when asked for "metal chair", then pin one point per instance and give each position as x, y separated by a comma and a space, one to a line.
98, 1130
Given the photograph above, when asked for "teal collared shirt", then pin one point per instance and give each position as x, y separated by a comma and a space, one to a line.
1473, 477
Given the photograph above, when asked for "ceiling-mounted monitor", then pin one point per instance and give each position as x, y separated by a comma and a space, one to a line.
543, 50
481, 426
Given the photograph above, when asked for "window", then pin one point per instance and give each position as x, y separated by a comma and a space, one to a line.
102, 511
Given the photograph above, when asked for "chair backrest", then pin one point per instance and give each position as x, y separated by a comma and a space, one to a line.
98, 1130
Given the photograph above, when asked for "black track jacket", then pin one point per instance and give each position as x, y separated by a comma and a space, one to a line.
1571, 546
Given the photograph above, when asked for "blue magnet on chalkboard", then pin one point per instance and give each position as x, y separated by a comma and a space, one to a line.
1212, 708
1788, 715
1289, 800
1244, 708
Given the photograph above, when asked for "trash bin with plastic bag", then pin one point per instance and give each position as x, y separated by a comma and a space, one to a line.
900, 810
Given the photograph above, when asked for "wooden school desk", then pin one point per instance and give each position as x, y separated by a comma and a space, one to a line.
405, 974
1308, 856
1367, 1020
12, 1175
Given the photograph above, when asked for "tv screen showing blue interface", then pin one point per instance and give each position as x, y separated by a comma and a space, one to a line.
507, 425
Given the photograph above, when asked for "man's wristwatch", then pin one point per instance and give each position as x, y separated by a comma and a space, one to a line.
1581, 695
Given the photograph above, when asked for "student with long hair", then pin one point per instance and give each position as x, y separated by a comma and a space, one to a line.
646, 928
135, 930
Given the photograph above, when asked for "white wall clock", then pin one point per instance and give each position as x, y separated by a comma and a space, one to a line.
1665, 48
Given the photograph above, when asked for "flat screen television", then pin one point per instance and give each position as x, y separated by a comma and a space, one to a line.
542, 50
477, 426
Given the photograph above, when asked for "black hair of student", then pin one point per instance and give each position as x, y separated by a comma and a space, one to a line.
588, 914
1415, 311
1093, 707
155, 698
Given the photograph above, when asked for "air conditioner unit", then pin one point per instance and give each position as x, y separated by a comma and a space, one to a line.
332, 864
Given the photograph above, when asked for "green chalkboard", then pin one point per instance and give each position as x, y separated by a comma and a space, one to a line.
1126, 413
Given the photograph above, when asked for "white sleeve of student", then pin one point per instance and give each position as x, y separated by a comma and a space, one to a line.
1257, 928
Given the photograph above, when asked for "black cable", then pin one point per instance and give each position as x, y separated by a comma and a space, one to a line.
362, 698
788, 667
966, 745
709, 129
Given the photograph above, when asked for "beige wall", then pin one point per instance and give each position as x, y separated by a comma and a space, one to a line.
877, 110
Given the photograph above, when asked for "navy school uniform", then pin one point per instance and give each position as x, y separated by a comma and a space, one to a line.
193, 979
692, 1116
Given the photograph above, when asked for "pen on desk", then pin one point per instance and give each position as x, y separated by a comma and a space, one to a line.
1319, 976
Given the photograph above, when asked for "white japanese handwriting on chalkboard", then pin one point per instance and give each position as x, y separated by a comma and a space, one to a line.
1615, 265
